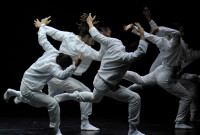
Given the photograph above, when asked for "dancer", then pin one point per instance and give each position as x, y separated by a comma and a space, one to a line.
73, 45
114, 64
192, 55
172, 55
50, 64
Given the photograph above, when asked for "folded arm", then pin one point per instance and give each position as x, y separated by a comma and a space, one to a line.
57, 72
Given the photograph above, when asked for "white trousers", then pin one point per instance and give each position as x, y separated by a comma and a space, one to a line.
121, 94
39, 99
193, 90
69, 85
163, 78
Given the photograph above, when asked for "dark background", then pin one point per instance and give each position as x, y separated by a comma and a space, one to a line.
22, 49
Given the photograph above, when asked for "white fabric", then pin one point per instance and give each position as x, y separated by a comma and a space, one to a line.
114, 64
69, 85
172, 56
39, 99
163, 77
116, 60
189, 54
38, 75
73, 46
45, 68
172, 52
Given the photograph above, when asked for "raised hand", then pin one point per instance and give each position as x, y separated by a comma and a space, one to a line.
90, 20
140, 29
46, 20
78, 60
147, 13
129, 26
37, 23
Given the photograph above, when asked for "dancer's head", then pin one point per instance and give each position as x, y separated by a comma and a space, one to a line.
84, 33
177, 26
104, 29
83, 29
63, 60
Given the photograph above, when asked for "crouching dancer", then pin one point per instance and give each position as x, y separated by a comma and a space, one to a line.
50, 64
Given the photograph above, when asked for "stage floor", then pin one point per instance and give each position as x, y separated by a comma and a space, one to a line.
27, 125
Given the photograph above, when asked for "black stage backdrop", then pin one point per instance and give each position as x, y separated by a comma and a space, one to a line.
21, 49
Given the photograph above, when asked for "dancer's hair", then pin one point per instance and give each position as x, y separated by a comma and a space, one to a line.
63, 60
83, 27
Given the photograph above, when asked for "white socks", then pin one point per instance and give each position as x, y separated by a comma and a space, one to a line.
57, 131
85, 125
182, 126
10, 93
133, 131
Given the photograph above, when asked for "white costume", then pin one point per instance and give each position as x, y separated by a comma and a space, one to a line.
73, 46
37, 76
172, 55
192, 55
188, 84
114, 64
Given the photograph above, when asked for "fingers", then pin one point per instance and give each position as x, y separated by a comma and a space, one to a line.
48, 17
89, 15
126, 28
35, 21
94, 17
81, 56
138, 25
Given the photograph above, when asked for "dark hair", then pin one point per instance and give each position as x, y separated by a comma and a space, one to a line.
83, 27
175, 25
63, 60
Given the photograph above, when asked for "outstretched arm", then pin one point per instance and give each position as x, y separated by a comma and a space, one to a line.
95, 33
52, 32
153, 25
160, 42
42, 38
142, 47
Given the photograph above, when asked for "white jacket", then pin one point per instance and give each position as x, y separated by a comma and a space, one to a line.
45, 68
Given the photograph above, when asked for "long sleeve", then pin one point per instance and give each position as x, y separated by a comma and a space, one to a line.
100, 37
161, 42
153, 25
56, 34
133, 56
62, 74
42, 39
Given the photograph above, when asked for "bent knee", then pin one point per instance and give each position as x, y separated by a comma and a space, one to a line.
53, 104
135, 97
